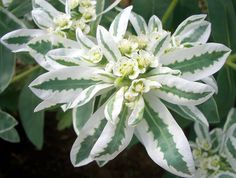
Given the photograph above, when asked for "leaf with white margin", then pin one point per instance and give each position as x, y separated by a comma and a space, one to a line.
107, 44
81, 115
224, 175
87, 94
154, 24
114, 139
42, 19
64, 57
83, 40
161, 45
211, 82
47, 7
216, 136
137, 113
17, 40
62, 82
199, 33
40, 46
182, 92
10, 136
188, 23
139, 24
188, 112
163, 139
231, 119
163, 71
202, 131
119, 24
114, 106
7, 122
197, 62
80, 152
110, 7
230, 146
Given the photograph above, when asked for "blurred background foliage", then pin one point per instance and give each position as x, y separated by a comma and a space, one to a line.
17, 70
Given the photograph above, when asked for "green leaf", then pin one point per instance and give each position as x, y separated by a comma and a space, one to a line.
19, 8
225, 98
231, 119
65, 120
99, 8
10, 136
210, 110
7, 122
33, 123
7, 67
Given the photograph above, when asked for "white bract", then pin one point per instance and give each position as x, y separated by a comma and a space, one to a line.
214, 151
131, 76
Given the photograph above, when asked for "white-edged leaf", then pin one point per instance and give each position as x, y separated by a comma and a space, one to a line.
197, 62
161, 45
139, 24
182, 92
83, 40
154, 24
87, 94
42, 19
47, 7
81, 115
80, 152
188, 23
10, 136
224, 175
17, 40
114, 106
40, 46
119, 24
114, 139
7, 122
107, 44
110, 7
164, 140
231, 119
202, 131
211, 82
217, 141
137, 113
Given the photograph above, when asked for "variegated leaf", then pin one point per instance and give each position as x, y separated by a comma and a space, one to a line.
114, 139
202, 131
47, 7
81, 149
17, 40
182, 92
107, 44
161, 45
87, 94
197, 62
119, 25
63, 57
198, 33
7, 122
154, 24
163, 71
40, 46
69, 82
81, 115
188, 23
224, 175
83, 40
188, 112
139, 24
231, 119
211, 82
217, 141
42, 19
164, 140
114, 106
137, 113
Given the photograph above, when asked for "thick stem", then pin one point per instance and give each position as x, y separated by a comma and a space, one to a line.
169, 11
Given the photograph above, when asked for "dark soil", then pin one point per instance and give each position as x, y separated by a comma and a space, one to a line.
24, 161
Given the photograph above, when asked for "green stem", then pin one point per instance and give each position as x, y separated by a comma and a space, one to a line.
24, 74
231, 61
169, 11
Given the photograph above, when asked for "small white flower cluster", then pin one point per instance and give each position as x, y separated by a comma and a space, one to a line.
213, 150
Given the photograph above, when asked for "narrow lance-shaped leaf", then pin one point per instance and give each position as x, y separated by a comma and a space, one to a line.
114, 106
10, 136
231, 119
114, 139
164, 140
83, 40
138, 23
137, 113
161, 45
80, 152
180, 91
7, 122
119, 25
197, 62
154, 24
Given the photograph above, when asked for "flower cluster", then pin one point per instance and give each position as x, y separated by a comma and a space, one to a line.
214, 152
131, 76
